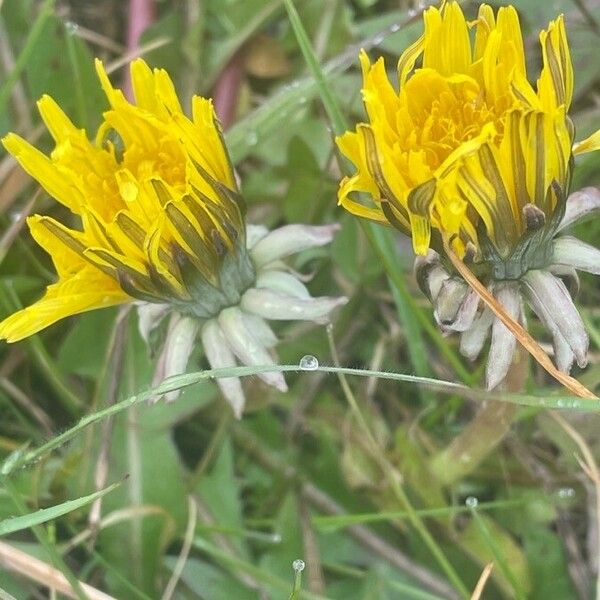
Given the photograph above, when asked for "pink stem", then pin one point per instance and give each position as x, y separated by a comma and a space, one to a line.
140, 16
225, 92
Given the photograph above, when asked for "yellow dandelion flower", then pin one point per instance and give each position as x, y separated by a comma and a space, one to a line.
469, 151
467, 148
156, 198
160, 222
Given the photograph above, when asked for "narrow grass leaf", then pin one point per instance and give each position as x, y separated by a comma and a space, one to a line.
53, 512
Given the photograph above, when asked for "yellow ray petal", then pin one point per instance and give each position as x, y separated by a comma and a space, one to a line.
115, 97
205, 140
55, 180
57, 122
86, 290
555, 85
447, 47
590, 144
486, 22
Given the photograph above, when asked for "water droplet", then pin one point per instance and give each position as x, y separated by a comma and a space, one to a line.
252, 138
298, 565
566, 493
412, 12
560, 403
396, 27
471, 502
378, 39
276, 538
309, 363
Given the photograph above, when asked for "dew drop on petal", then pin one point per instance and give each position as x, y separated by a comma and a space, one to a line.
309, 363
471, 502
298, 565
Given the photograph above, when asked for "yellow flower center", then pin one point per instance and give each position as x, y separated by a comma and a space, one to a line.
444, 113
164, 160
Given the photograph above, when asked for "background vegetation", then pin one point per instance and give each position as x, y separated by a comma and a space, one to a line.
339, 472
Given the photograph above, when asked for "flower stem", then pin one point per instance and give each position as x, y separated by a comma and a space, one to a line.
481, 436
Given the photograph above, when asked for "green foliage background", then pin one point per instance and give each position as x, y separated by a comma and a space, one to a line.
298, 477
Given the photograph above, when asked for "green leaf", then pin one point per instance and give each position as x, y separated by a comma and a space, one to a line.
220, 490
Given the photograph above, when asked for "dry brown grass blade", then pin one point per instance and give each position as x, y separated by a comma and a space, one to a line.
485, 575
43, 574
522, 335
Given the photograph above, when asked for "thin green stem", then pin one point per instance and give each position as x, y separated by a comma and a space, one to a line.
329, 523
334, 112
51, 372
134, 462
34, 35
21, 458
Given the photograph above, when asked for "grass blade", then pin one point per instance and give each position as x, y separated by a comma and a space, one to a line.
53, 512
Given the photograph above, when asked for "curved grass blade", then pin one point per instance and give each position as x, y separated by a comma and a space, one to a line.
182, 381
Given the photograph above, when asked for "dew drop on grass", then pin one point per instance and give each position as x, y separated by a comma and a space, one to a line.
395, 27
471, 502
71, 27
309, 363
298, 565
